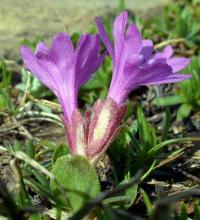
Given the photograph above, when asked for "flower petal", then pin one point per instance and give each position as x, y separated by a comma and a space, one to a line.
65, 92
152, 73
88, 70
104, 37
52, 71
147, 49
134, 40
170, 79
61, 51
120, 25
178, 64
87, 57
167, 52
163, 55
159, 73
31, 63
42, 51
119, 36
82, 52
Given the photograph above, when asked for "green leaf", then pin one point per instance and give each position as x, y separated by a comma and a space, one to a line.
7, 102
190, 88
59, 152
146, 132
130, 110
148, 172
131, 192
147, 202
183, 111
30, 149
8, 202
77, 178
163, 144
119, 147
47, 144
35, 217
183, 214
24, 157
121, 6
134, 127
169, 100
126, 198
197, 213
166, 125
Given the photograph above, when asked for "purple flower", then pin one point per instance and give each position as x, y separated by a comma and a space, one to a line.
134, 63
63, 68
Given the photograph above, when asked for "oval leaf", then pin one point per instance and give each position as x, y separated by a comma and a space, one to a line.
78, 180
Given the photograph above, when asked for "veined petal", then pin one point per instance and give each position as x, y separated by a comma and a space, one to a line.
167, 52
147, 49
163, 55
61, 51
134, 40
94, 46
151, 73
88, 70
105, 37
52, 70
158, 73
66, 93
170, 79
120, 26
82, 51
178, 64
87, 57
119, 37
133, 61
38, 71
89, 52
42, 51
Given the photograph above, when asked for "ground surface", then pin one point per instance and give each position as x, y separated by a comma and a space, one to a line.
27, 19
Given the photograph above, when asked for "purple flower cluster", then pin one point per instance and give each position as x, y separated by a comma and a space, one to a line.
63, 69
